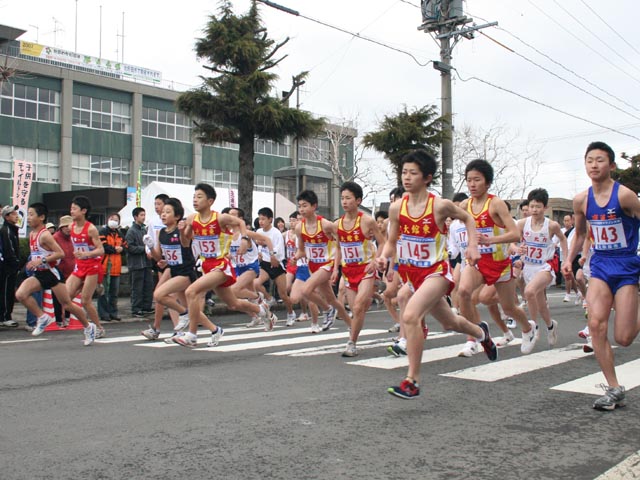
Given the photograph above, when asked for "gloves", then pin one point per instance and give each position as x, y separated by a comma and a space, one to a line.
148, 240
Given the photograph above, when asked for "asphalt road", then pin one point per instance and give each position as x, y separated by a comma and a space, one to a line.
286, 405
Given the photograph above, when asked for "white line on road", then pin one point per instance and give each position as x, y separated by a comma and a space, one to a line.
24, 341
628, 375
628, 469
492, 372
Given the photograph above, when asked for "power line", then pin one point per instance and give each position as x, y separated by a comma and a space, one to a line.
524, 97
610, 27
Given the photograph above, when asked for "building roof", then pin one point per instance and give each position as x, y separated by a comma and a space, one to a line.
9, 33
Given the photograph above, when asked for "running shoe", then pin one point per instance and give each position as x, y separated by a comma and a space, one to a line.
395, 328
211, 302
9, 323
511, 323
150, 333
408, 389
315, 328
89, 334
100, 333
530, 338
588, 347
584, 333
255, 322
505, 340
567, 298
268, 325
350, 350
578, 300
398, 349
169, 340
42, 323
29, 328
613, 398
329, 318
552, 333
303, 317
469, 349
488, 345
183, 322
215, 337
186, 340
291, 319
271, 302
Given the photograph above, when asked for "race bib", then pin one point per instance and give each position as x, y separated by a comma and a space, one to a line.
608, 234
488, 231
352, 252
317, 252
172, 254
208, 247
533, 254
81, 247
417, 251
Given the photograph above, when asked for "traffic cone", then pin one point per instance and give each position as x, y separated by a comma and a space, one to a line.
74, 323
47, 306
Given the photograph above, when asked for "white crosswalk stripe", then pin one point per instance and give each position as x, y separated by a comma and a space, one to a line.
628, 375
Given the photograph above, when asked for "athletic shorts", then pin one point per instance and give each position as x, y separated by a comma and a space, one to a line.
453, 261
85, 269
252, 267
222, 264
575, 265
529, 271
273, 272
415, 276
47, 278
302, 273
615, 271
354, 274
314, 267
494, 271
291, 267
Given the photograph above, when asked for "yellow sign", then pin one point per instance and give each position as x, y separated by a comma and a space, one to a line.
30, 48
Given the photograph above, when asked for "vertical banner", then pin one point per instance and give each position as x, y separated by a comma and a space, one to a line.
139, 188
23, 173
233, 198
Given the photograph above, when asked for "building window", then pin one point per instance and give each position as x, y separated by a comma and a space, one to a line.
163, 124
97, 171
101, 114
269, 147
220, 178
262, 183
34, 103
46, 162
164, 172
314, 150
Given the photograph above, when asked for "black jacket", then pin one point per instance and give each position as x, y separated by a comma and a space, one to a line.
137, 254
9, 248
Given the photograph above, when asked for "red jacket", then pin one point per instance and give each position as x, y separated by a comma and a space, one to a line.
68, 262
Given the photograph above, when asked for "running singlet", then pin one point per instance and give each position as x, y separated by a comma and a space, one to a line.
614, 233
356, 249
485, 225
539, 246
291, 247
422, 243
320, 248
180, 259
247, 258
209, 240
82, 242
38, 253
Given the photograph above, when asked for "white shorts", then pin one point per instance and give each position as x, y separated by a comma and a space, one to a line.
529, 271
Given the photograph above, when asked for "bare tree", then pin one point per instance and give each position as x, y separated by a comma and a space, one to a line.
516, 161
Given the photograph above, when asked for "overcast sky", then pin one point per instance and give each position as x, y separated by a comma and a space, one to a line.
351, 78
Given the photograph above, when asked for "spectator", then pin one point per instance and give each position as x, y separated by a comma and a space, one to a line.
114, 244
51, 227
66, 265
280, 225
139, 265
9, 264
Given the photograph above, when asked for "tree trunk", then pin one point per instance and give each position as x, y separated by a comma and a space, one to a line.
245, 175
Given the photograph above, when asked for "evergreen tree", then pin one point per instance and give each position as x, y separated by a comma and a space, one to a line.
234, 104
629, 177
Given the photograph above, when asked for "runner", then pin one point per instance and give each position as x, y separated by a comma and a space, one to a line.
496, 229
211, 234
418, 222
45, 253
613, 212
88, 250
356, 232
538, 254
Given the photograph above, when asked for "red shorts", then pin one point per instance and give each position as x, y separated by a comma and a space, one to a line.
223, 265
354, 274
314, 267
415, 276
494, 271
292, 267
86, 268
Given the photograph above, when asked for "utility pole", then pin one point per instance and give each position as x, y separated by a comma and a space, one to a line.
446, 17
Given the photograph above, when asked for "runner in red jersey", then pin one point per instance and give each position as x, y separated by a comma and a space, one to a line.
88, 250
418, 223
495, 230
316, 241
356, 234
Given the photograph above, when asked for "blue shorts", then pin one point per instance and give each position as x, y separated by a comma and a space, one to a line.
615, 271
255, 267
302, 273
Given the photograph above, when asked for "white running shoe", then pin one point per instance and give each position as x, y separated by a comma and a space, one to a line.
506, 339
329, 318
150, 333
268, 325
255, 322
291, 319
215, 337
350, 350
469, 349
43, 322
303, 317
183, 322
578, 299
271, 302
567, 298
89, 334
100, 332
315, 328
552, 335
588, 347
584, 333
511, 323
395, 328
530, 338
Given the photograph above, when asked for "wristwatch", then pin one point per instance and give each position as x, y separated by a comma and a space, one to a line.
274, 252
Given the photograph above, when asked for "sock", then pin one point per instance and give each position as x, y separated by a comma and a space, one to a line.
214, 331
551, 327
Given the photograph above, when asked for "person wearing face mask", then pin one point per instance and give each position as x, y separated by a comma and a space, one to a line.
114, 244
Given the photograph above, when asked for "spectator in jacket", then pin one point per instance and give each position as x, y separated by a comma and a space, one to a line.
65, 265
114, 246
139, 266
9, 264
